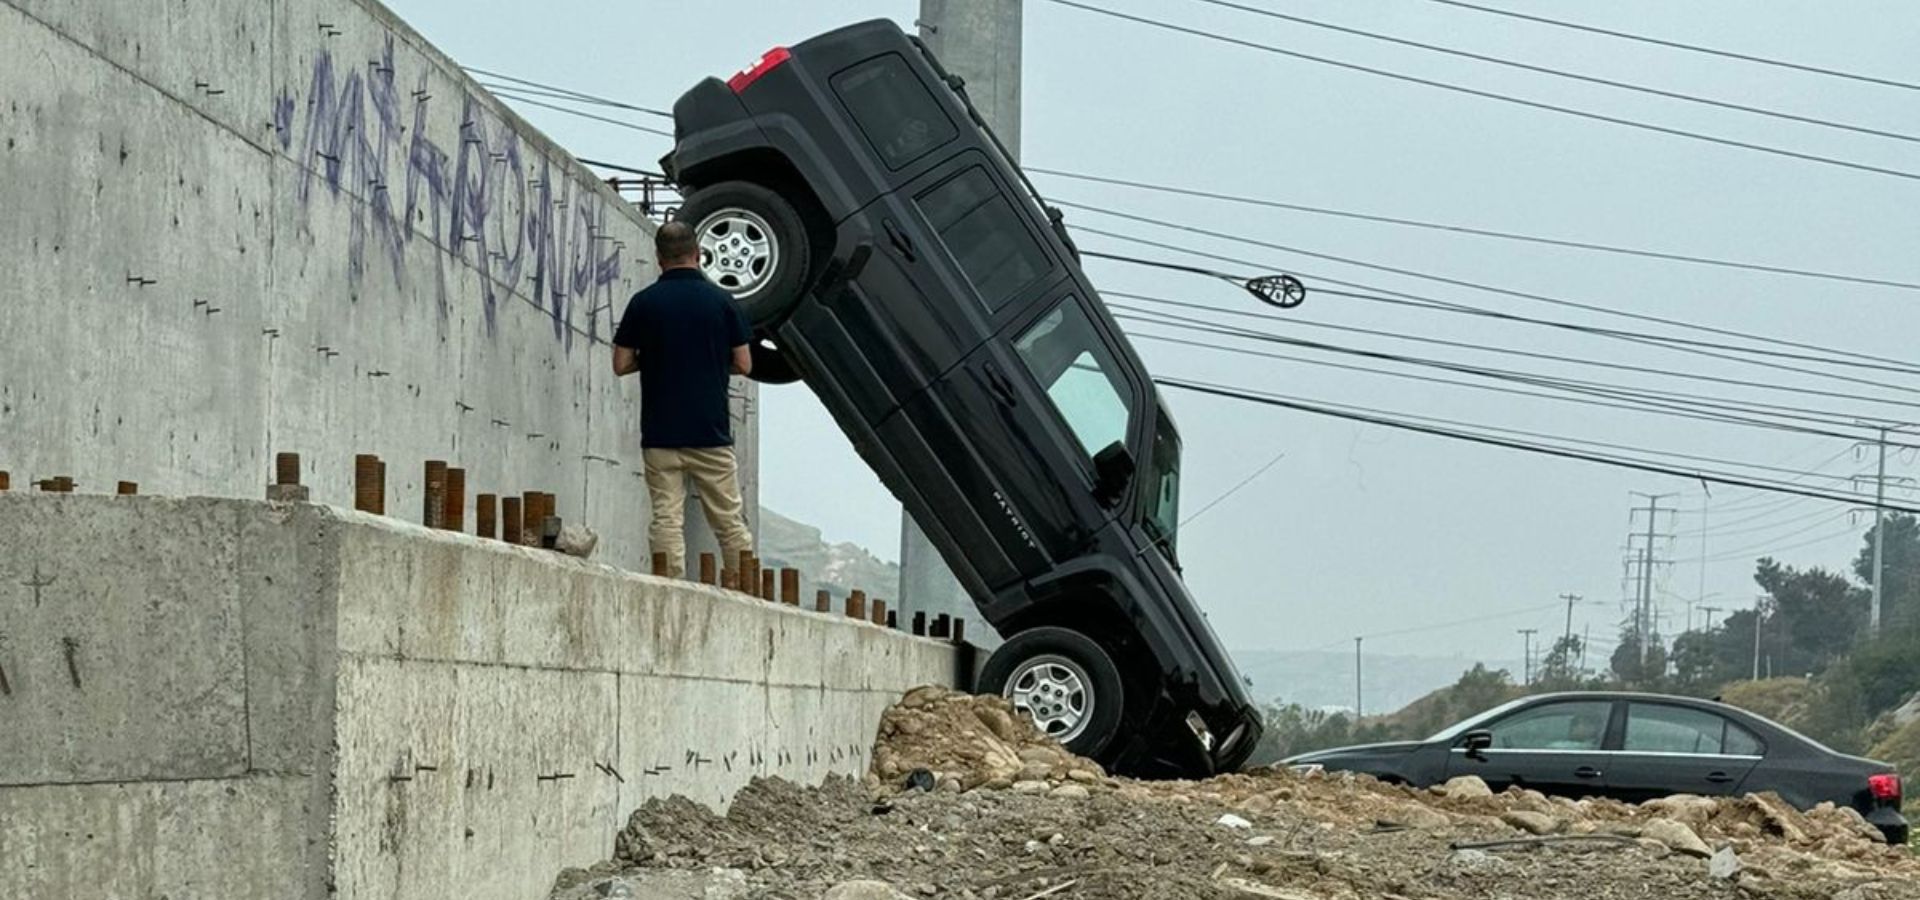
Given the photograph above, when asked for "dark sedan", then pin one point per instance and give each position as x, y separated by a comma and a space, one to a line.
1633, 747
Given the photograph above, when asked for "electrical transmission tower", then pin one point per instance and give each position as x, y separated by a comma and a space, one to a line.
1644, 559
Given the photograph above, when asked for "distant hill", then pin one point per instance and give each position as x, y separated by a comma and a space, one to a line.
838, 568
1324, 679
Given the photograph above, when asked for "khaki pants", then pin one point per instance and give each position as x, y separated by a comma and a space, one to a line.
713, 473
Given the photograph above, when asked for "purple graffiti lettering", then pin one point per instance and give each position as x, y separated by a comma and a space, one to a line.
472, 202
283, 119
427, 170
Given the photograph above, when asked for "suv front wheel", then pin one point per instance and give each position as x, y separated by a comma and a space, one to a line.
1064, 681
753, 243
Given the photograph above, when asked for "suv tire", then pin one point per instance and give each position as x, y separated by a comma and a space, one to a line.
1065, 681
753, 244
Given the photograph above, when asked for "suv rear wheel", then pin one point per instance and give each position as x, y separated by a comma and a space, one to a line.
753, 243
1065, 681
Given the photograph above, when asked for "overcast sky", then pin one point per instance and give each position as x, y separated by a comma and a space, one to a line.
1361, 530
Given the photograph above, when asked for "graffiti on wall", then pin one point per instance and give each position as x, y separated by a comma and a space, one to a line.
475, 195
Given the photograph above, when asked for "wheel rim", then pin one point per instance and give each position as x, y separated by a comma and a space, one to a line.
737, 251
1056, 693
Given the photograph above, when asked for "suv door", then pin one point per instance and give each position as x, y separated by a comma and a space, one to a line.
1010, 434
1671, 749
1553, 748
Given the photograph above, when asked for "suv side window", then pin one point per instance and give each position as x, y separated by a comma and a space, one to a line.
1657, 728
899, 117
1066, 356
1570, 725
985, 235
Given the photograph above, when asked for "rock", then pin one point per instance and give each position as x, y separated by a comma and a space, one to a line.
1465, 787
949, 785
1230, 820
1529, 800
1083, 776
1070, 792
1724, 865
1687, 809
1034, 772
1045, 756
1677, 837
1029, 787
1260, 840
576, 540
920, 698
1255, 805
1476, 859
1533, 822
998, 722
863, 890
662, 884
1243, 889
1419, 815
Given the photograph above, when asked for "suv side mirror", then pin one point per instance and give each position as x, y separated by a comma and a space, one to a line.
1476, 742
1112, 469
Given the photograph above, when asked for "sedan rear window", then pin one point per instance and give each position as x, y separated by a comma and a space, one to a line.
899, 117
983, 232
1658, 728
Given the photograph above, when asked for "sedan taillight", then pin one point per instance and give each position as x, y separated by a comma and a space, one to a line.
1884, 787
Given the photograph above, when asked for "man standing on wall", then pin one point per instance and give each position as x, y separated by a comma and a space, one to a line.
683, 335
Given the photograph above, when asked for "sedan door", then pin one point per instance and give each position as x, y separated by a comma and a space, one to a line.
1556, 747
1668, 749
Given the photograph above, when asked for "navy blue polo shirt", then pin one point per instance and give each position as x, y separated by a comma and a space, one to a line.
684, 329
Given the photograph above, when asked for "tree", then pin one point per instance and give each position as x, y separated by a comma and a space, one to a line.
1627, 665
1818, 614
1694, 657
1900, 596
1560, 668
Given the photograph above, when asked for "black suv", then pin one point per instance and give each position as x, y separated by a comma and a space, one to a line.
890, 254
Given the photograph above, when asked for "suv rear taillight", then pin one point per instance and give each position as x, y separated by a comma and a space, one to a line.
767, 62
1884, 787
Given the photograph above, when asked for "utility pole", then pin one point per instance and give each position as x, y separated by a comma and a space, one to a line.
1709, 611
1879, 533
1527, 661
1643, 607
1571, 600
1758, 607
1356, 680
979, 41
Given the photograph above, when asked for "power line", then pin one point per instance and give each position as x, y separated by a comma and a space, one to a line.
1478, 232
1492, 95
1574, 385
1481, 286
1677, 45
513, 96
1235, 489
1561, 452
1515, 431
1562, 73
579, 96
1653, 409
1611, 365
1772, 546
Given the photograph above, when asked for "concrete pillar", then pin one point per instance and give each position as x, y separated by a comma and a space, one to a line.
978, 40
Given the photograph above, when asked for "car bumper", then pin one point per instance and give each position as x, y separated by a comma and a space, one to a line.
1179, 740
1891, 823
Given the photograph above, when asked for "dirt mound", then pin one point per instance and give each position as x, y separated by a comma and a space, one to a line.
966, 742
966, 800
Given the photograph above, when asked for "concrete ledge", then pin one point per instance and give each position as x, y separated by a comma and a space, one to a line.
294, 695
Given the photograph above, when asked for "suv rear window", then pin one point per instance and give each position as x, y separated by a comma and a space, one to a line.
985, 235
893, 109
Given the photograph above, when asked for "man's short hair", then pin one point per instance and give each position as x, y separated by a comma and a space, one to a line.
675, 240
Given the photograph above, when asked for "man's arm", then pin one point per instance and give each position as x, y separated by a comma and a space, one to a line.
625, 361
742, 360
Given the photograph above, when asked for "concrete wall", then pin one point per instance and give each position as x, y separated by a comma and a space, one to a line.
237, 227
230, 699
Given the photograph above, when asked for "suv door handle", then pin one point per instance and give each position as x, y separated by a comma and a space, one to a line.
997, 383
898, 239
1586, 772
1719, 777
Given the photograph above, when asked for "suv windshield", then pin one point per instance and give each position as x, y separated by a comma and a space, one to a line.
1161, 489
